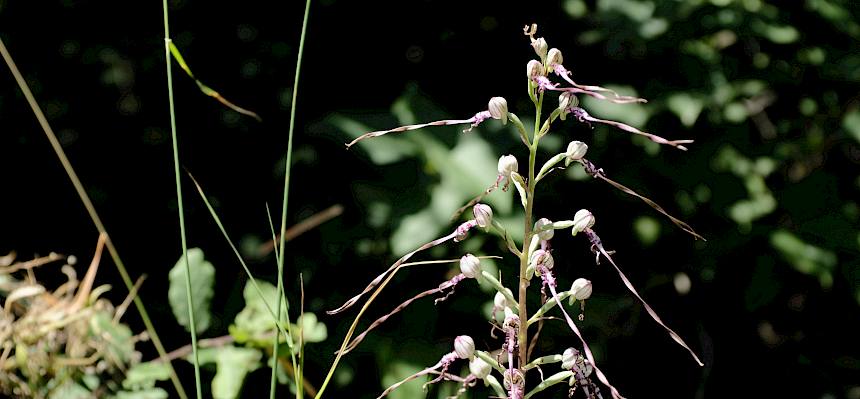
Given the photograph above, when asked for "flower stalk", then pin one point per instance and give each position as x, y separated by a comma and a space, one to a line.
512, 361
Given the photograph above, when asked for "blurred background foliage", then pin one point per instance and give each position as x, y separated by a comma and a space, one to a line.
769, 91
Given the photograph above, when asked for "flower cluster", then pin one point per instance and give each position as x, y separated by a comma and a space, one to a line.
512, 359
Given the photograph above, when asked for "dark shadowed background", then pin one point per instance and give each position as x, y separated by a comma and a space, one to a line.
769, 90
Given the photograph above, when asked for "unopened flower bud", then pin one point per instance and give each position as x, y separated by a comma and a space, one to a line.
540, 47
483, 214
479, 368
564, 100
581, 289
569, 358
575, 151
470, 266
501, 301
554, 57
546, 234
498, 108
464, 346
582, 220
507, 165
542, 258
534, 69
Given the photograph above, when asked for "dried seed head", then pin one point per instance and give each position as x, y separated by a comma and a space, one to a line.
569, 358
498, 108
582, 220
534, 69
546, 234
507, 165
540, 47
575, 151
554, 57
483, 214
470, 266
464, 346
581, 289
479, 368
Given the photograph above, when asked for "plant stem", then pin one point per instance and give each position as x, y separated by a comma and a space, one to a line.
177, 175
91, 210
524, 261
289, 160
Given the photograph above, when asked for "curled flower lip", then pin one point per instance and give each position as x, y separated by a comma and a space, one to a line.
583, 116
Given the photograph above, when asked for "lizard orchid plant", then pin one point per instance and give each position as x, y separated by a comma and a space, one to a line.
506, 371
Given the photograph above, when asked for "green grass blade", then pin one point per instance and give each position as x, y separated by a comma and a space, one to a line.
94, 216
174, 51
235, 251
177, 175
286, 197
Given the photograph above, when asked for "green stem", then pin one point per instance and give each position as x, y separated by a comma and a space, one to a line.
524, 278
177, 175
94, 216
289, 161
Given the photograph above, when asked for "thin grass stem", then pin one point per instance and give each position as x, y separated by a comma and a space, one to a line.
286, 197
94, 216
178, 177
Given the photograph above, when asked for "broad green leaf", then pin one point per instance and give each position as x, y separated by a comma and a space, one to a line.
806, 258
314, 330
151, 393
202, 290
254, 321
382, 150
851, 123
70, 390
233, 364
144, 375
116, 337
686, 107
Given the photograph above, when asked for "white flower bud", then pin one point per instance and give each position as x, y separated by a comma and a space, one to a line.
541, 257
554, 57
582, 220
564, 100
569, 358
507, 165
546, 234
540, 47
498, 108
483, 214
464, 346
534, 69
575, 151
479, 368
581, 289
501, 301
470, 266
